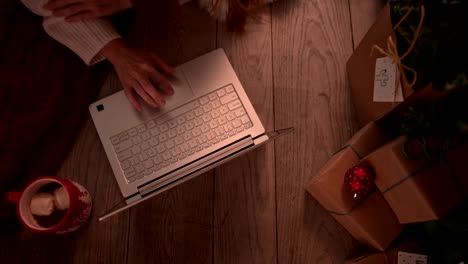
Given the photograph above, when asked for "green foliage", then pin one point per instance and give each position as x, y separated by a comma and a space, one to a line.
447, 116
440, 54
440, 58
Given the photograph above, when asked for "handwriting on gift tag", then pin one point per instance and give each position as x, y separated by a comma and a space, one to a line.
384, 82
382, 77
411, 258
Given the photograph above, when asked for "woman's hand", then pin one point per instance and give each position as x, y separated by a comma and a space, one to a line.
75, 10
139, 71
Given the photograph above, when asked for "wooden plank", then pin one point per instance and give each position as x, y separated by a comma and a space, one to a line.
176, 226
88, 165
311, 43
244, 212
363, 15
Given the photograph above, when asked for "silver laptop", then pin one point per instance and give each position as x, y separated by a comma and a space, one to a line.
208, 121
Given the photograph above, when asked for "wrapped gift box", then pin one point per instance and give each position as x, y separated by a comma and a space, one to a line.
361, 70
362, 75
387, 257
369, 219
417, 188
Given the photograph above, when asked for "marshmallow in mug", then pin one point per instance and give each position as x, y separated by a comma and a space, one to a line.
43, 204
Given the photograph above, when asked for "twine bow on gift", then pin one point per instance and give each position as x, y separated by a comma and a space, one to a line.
392, 52
438, 154
438, 157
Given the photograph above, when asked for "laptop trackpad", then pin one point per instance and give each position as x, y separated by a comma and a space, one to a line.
182, 90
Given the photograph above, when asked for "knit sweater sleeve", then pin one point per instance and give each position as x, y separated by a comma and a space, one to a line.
85, 38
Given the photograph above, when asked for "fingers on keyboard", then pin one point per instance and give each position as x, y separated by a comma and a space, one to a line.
156, 144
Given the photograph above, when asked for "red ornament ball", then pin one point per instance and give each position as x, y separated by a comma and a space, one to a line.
359, 179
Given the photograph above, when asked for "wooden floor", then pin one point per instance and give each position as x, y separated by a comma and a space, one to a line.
291, 61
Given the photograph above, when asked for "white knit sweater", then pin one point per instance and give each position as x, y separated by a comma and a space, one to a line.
87, 38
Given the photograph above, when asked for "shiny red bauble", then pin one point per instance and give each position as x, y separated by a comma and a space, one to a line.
359, 180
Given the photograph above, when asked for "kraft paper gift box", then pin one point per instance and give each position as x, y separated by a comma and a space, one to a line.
417, 188
369, 219
361, 68
387, 257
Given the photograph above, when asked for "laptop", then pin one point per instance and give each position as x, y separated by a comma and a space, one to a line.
208, 121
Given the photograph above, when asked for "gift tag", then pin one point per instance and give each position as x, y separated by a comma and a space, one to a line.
384, 81
411, 258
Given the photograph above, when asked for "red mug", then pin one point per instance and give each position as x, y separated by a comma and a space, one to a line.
78, 212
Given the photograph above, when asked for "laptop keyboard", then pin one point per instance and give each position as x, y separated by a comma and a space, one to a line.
160, 142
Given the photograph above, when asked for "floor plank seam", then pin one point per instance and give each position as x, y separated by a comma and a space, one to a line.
213, 219
128, 235
351, 24
274, 127
213, 228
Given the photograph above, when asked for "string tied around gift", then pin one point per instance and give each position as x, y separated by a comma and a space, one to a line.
437, 155
391, 52
357, 204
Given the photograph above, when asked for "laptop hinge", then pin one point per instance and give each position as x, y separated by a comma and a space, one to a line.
204, 164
